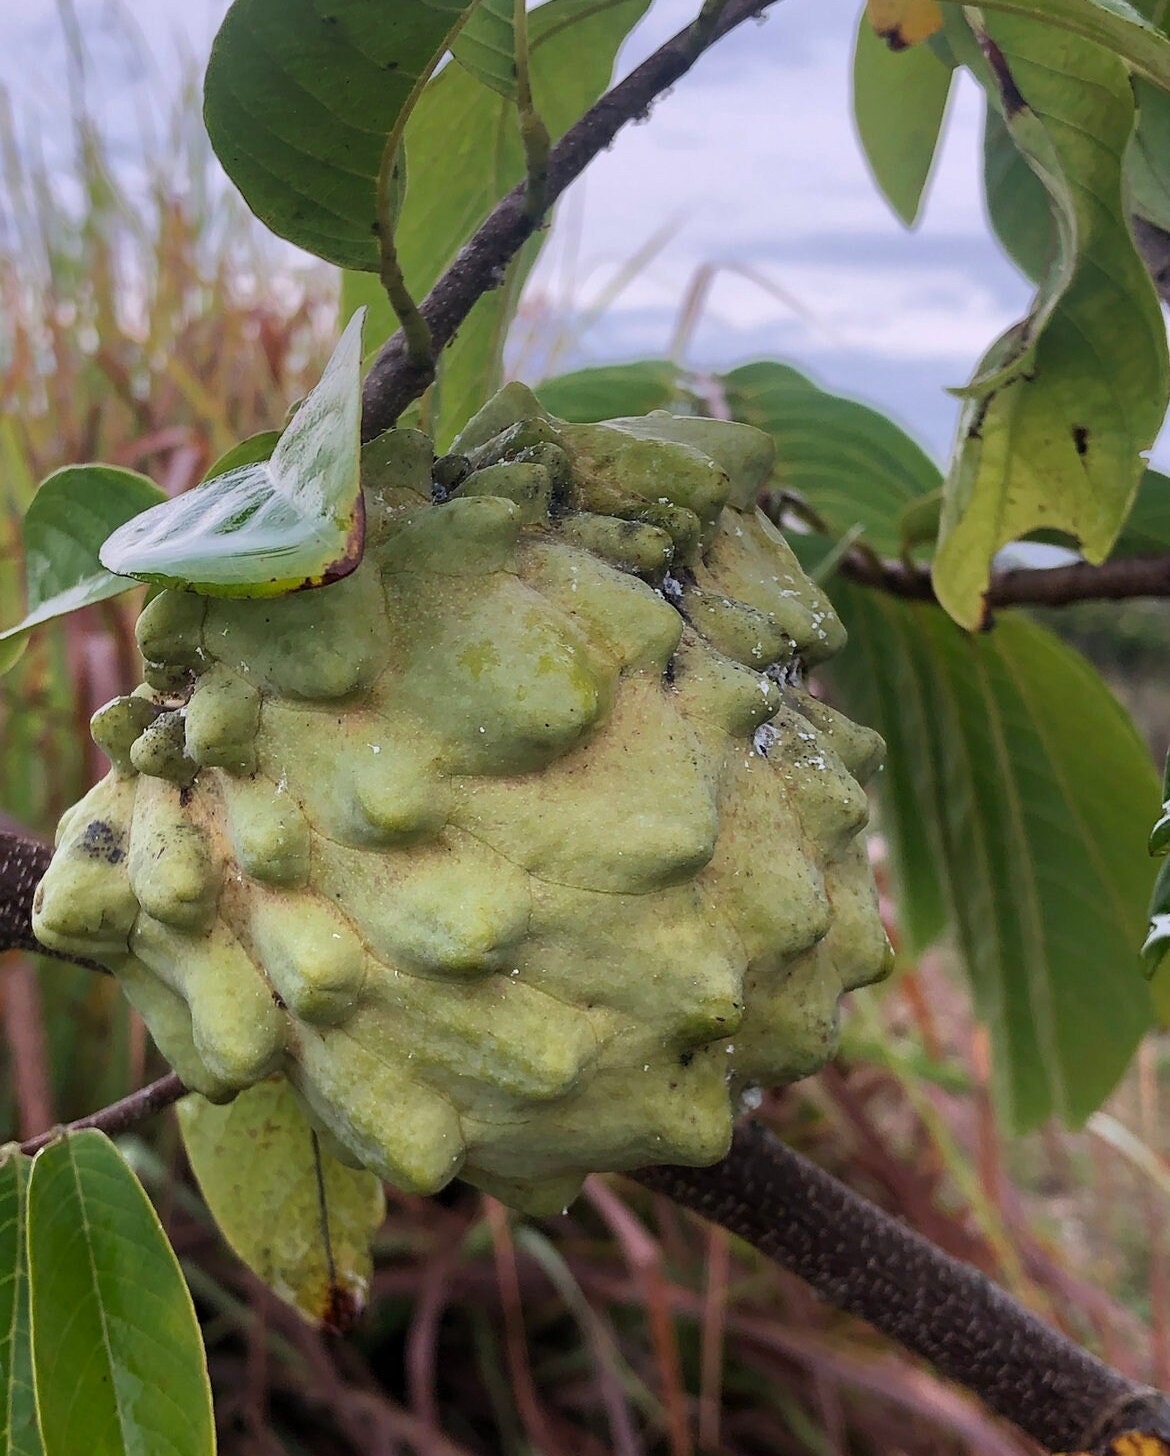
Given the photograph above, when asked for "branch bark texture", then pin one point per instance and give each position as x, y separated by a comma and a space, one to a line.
860, 1259
1122, 579
394, 380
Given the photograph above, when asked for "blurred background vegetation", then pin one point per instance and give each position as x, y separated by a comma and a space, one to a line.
154, 328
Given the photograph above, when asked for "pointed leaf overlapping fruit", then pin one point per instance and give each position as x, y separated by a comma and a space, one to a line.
1064, 403
464, 153
272, 525
71, 514
305, 105
602, 393
19, 1432
117, 1354
852, 465
297, 1217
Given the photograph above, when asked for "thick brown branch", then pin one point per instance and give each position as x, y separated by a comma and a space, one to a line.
1056, 586
862, 1260
119, 1116
394, 380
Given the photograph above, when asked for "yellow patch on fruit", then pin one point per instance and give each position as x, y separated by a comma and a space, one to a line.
903, 23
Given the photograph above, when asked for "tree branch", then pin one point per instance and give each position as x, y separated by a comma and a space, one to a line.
118, 1116
1057, 586
860, 1259
394, 380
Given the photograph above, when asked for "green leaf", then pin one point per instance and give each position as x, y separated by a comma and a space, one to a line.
850, 463
118, 1358
1147, 527
297, 1217
19, 1431
1157, 944
1148, 161
1160, 834
464, 152
486, 46
1016, 797
69, 517
611, 391
899, 101
248, 452
1115, 26
274, 525
1064, 403
1018, 204
303, 100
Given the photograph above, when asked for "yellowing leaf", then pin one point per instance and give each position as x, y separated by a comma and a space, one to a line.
902, 23
1133, 1443
297, 1217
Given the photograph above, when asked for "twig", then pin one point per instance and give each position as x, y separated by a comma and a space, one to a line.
395, 379
862, 1260
1122, 579
119, 1116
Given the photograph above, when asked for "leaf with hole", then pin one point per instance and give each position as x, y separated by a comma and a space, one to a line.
117, 1354
305, 105
1016, 799
72, 513
273, 525
1063, 404
297, 1217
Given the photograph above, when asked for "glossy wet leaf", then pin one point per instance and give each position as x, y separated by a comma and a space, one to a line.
1016, 799
304, 98
464, 153
850, 463
611, 391
68, 519
297, 1217
899, 101
486, 46
1063, 404
272, 525
19, 1432
117, 1353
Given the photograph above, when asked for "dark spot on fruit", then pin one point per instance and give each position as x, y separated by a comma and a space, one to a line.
686, 1059
280, 1001
102, 841
1081, 439
670, 675
185, 795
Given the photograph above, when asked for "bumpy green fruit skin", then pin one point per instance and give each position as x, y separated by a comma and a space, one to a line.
522, 851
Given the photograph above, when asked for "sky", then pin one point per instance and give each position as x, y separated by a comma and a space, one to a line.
750, 165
